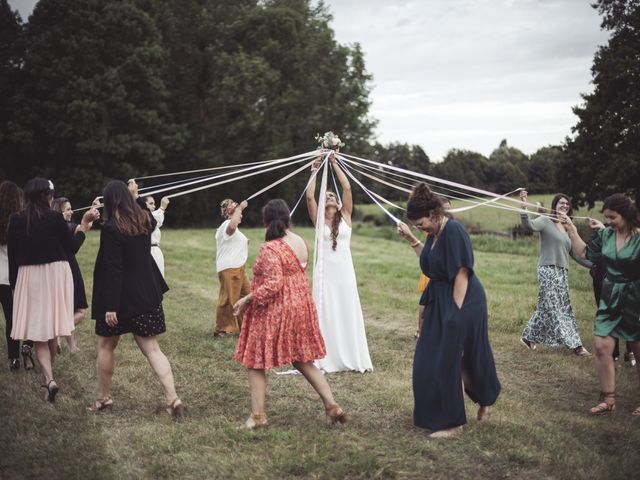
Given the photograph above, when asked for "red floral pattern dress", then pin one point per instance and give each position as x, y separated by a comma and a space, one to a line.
280, 324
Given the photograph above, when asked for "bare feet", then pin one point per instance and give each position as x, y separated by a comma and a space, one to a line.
448, 433
483, 413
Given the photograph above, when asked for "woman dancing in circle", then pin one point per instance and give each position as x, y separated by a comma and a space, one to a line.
63, 205
618, 315
38, 243
453, 348
553, 323
280, 323
127, 294
341, 320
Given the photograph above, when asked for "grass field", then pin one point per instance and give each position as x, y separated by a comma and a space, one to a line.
539, 427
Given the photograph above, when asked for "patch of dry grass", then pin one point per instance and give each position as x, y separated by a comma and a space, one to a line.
539, 427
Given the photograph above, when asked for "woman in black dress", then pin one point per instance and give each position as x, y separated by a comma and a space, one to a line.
453, 348
63, 205
127, 294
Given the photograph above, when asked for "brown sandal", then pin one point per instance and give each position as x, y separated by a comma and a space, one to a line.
607, 404
175, 409
102, 405
335, 415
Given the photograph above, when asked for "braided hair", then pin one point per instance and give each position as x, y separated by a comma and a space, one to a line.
335, 227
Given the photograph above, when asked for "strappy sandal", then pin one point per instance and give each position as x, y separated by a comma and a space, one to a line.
102, 405
335, 415
256, 420
175, 409
52, 391
605, 406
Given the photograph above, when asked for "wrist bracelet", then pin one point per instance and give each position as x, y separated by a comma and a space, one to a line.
415, 244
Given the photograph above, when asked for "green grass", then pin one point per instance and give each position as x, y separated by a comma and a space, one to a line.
538, 429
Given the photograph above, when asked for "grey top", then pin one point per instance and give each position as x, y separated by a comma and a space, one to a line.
555, 245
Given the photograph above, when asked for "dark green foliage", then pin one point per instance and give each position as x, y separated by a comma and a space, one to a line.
11, 30
119, 89
604, 155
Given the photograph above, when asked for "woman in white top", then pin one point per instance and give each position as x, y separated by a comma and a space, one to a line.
158, 214
232, 250
335, 289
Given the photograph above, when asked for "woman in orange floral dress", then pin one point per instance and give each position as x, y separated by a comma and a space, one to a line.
280, 322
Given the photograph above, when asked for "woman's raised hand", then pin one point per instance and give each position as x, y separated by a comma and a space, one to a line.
523, 198
404, 231
567, 223
89, 217
595, 224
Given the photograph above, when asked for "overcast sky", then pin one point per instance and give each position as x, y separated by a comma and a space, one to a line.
468, 73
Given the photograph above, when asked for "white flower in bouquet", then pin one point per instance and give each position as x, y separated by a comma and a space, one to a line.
329, 141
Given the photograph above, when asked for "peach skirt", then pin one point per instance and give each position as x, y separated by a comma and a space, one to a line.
43, 302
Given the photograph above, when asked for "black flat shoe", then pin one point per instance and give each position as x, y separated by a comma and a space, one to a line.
14, 364
27, 357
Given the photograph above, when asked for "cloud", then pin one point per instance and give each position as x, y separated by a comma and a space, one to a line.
467, 73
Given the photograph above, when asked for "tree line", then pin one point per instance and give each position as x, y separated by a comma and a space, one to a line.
92, 90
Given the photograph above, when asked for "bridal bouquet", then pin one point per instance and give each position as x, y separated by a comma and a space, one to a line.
329, 140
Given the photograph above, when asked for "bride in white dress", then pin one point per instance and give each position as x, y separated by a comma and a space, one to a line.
340, 315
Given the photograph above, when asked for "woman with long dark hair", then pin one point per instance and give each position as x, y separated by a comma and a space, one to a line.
618, 315
127, 294
63, 205
38, 242
453, 350
280, 323
340, 312
11, 201
553, 323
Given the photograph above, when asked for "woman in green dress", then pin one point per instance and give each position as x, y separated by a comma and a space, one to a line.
618, 314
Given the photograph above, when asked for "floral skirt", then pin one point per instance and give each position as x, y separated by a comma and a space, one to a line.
553, 323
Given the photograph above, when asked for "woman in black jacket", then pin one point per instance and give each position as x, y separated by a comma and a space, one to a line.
38, 242
127, 293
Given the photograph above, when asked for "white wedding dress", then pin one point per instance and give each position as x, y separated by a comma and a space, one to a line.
340, 315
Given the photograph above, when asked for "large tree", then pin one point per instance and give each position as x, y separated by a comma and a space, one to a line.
123, 88
11, 30
604, 155
93, 99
